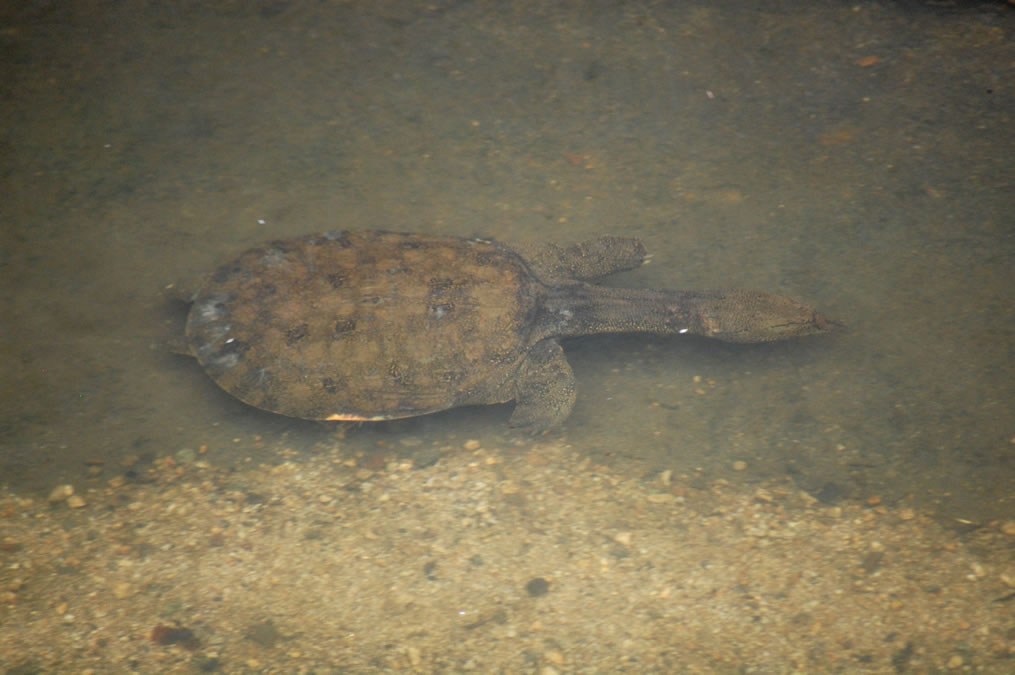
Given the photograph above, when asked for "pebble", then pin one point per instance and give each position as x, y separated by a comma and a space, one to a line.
60, 493
1008, 527
537, 586
739, 465
509, 488
75, 502
907, 514
472, 445
186, 455
426, 457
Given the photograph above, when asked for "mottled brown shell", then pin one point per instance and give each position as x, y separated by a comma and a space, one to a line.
365, 325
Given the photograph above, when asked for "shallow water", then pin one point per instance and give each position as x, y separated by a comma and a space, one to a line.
856, 156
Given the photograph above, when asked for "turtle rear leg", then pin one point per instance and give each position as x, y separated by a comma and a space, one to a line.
545, 390
587, 260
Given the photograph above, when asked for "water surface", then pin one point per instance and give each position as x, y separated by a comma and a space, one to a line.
858, 156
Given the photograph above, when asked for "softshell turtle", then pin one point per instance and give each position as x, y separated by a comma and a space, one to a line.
370, 325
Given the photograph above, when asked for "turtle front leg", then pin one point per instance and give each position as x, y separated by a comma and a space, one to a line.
545, 389
587, 260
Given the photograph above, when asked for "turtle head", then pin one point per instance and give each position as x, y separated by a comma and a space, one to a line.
755, 316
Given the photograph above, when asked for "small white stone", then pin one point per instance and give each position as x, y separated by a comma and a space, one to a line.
554, 656
60, 493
